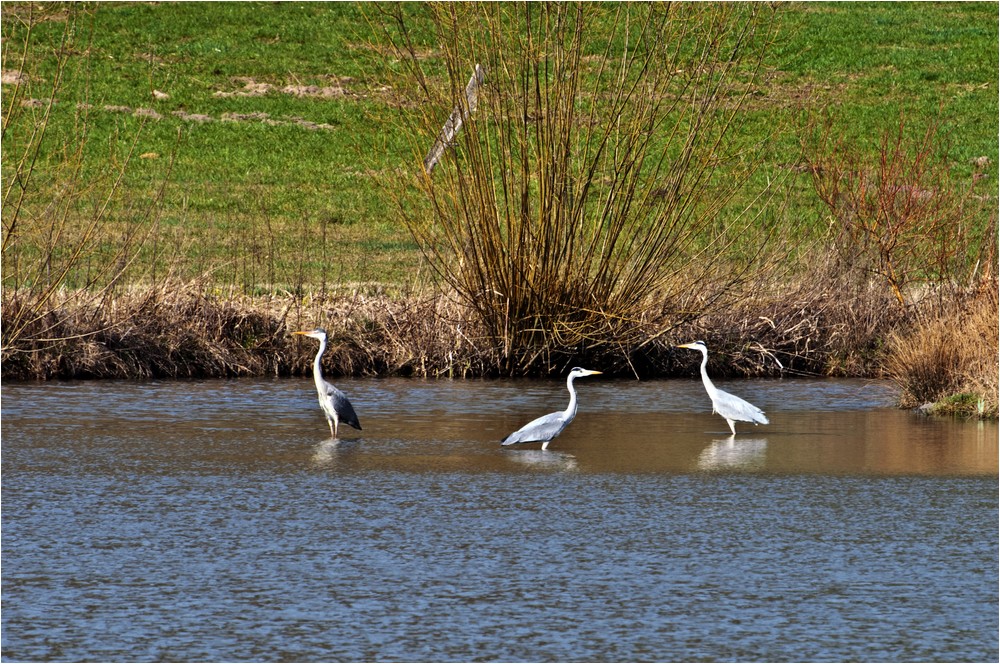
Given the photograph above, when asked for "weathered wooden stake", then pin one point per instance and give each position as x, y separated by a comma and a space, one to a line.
455, 120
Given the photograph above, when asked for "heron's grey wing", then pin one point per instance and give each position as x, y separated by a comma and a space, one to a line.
338, 401
732, 407
544, 428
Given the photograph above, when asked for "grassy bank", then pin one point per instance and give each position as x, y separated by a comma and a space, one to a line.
279, 128
258, 155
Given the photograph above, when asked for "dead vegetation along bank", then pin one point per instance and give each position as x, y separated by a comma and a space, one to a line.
184, 332
950, 361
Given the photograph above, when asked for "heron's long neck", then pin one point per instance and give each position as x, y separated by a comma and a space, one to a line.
317, 365
709, 387
571, 408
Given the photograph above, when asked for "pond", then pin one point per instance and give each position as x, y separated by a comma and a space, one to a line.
216, 520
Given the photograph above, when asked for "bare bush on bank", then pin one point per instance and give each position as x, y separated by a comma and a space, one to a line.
897, 211
901, 220
584, 189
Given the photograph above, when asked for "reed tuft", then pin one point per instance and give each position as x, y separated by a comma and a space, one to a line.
952, 355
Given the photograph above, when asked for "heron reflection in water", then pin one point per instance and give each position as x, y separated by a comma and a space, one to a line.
333, 451
727, 454
547, 460
334, 403
732, 408
547, 427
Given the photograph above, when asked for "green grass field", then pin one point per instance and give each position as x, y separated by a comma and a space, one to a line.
285, 137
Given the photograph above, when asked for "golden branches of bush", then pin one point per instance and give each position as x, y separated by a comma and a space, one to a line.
585, 188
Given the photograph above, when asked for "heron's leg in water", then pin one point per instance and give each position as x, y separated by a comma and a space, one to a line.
732, 425
546, 444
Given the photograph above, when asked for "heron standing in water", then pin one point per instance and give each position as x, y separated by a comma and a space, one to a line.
547, 427
729, 406
334, 403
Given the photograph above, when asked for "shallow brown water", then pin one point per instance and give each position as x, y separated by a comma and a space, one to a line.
216, 521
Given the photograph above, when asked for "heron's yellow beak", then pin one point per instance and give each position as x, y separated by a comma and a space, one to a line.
685, 346
301, 332
591, 372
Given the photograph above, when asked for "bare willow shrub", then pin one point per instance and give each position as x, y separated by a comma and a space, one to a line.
898, 211
70, 233
593, 176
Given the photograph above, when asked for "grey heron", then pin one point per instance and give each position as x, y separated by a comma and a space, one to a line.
334, 403
729, 406
547, 427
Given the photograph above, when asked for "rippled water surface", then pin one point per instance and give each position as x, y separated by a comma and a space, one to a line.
216, 521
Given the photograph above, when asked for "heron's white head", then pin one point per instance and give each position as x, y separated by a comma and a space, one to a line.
577, 372
318, 333
695, 345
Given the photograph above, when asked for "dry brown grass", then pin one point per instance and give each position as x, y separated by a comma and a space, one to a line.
168, 331
828, 320
823, 322
420, 335
184, 330
951, 358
